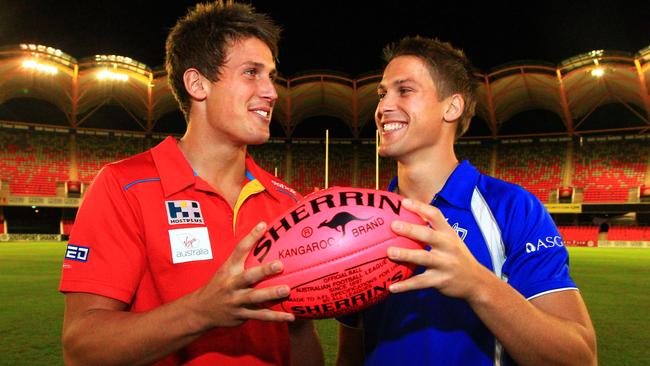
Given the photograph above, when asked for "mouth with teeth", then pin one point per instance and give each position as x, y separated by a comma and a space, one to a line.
393, 126
263, 113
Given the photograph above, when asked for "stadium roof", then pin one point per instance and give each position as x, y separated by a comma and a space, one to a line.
518, 97
85, 91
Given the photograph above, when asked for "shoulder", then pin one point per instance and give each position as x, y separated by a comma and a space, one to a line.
120, 175
517, 212
135, 166
502, 195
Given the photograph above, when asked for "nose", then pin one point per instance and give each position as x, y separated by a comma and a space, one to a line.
267, 89
386, 104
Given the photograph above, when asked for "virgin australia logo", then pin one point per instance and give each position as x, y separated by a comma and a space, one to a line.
190, 241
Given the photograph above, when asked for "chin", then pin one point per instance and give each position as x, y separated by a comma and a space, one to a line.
258, 140
257, 143
386, 152
383, 154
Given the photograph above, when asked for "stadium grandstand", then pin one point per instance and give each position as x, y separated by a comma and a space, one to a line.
575, 134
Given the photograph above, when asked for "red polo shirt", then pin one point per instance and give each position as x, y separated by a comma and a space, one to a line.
150, 231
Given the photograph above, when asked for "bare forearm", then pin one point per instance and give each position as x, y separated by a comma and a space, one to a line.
98, 330
531, 335
108, 337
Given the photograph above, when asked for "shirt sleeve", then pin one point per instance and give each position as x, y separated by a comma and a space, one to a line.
105, 254
537, 261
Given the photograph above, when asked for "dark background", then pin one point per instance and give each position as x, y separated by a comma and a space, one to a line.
344, 36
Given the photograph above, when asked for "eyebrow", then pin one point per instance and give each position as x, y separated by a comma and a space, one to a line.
396, 83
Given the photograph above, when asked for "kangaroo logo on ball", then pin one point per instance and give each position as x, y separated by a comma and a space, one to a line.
340, 220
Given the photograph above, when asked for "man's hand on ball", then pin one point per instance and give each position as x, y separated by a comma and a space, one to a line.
229, 300
449, 266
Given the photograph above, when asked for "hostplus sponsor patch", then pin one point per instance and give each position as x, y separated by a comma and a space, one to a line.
183, 212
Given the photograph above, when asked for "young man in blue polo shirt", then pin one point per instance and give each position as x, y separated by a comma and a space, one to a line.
494, 287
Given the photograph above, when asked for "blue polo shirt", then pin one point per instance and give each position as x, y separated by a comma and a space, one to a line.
508, 231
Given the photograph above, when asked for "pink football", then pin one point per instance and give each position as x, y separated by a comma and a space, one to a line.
333, 245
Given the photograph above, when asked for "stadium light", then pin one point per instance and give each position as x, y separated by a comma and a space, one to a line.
115, 62
40, 67
113, 76
597, 72
43, 49
596, 53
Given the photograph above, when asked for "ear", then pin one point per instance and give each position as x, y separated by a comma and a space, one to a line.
454, 108
195, 84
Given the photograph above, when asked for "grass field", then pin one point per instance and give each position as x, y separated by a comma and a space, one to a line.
614, 282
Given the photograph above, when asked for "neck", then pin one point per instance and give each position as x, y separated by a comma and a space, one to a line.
423, 177
221, 165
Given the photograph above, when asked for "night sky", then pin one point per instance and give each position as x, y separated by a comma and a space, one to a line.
345, 36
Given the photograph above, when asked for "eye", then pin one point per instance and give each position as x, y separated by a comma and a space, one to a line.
403, 91
251, 72
381, 94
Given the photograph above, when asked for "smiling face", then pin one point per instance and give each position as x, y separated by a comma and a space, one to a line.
409, 115
240, 104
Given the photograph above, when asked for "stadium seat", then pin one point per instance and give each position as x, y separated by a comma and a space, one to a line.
535, 166
629, 233
34, 161
607, 171
95, 151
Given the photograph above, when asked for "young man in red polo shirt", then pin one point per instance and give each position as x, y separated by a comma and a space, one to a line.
154, 270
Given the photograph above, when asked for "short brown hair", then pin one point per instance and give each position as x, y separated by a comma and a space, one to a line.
201, 39
450, 70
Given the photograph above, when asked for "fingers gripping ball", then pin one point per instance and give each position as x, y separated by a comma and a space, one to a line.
333, 245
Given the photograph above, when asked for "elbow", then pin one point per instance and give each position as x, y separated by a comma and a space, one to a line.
582, 349
592, 350
588, 348
575, 351
585, 353
72, 349
585, 358
67, 342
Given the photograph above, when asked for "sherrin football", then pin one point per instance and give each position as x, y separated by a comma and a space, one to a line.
333, 246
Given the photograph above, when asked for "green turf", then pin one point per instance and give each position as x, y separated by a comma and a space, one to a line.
327, 331
31, 308
614, 282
